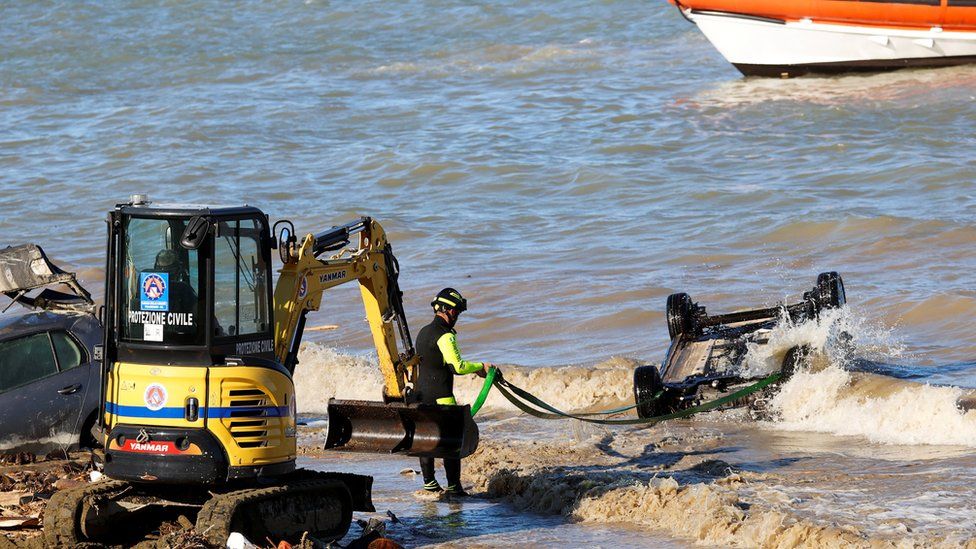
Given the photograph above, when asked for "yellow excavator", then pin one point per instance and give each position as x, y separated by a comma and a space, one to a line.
198, 410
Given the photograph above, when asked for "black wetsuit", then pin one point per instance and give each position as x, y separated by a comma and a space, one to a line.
440, 361
435, 378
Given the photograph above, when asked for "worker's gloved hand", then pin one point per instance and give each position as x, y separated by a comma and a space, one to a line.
484, 370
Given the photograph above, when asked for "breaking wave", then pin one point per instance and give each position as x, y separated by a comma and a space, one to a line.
828, 397
324, 372
834, 337
879, 408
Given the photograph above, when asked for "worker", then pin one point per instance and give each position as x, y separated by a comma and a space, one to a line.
440, 361
183, 296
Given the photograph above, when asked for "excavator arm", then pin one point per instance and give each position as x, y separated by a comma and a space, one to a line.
394, 425
305, 277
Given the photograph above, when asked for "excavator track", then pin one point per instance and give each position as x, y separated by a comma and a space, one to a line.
66, 513
322, 507
117, 513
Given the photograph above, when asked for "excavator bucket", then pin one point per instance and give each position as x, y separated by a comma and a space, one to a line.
422, 430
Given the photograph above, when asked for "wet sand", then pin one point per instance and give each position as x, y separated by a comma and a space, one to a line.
719, 480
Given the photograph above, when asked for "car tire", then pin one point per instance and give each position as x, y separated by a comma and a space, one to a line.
647, 383
86, 438
680, 312
830, 291
796, 358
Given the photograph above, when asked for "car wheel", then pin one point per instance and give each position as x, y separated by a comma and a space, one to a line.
647, 383
830, 291
795, 358
87, 439
680, 313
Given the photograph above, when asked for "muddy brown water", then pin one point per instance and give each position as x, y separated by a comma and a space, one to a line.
566, 165
840, 457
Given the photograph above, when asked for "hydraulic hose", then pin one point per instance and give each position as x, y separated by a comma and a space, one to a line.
485, 389
524, 401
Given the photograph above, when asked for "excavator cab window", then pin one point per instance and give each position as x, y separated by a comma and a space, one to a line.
161, 284
240, 280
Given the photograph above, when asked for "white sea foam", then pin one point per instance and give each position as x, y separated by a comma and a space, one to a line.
825, 398
323, 373
836, 335
542, 478
828, 398
881, 409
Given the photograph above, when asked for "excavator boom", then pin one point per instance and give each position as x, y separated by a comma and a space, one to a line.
393, 425
305, 277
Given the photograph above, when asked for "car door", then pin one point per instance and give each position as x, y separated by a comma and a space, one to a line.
39, 403
76, 376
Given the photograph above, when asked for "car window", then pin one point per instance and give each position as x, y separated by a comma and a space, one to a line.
69, 354
26, 359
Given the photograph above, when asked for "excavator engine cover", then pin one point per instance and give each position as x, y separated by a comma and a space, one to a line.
422, 430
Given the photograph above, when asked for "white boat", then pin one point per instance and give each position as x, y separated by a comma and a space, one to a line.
793, 44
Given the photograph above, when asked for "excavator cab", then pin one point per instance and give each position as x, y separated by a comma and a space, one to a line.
192, 391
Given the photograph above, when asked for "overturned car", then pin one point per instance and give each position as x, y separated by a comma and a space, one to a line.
705, 359
49, 378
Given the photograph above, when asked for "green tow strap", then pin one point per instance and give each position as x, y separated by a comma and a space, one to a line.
485, 389
622, 409
490, 379
507, 390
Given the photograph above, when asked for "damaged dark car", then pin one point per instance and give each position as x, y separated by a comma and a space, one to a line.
49, 378
707, 353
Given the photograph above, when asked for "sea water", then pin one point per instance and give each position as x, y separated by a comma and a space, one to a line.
566, 165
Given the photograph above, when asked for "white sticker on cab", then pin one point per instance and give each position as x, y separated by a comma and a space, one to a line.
152, 332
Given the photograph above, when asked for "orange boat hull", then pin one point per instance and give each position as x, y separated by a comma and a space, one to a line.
959, 15
794, 37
